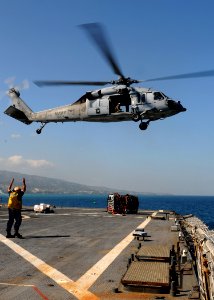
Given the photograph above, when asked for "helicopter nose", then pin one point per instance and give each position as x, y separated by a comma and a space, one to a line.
176, 106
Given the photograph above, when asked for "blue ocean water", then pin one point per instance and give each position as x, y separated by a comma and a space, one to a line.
200, 206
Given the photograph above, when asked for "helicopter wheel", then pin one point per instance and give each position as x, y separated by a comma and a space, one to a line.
38, 131
143, 126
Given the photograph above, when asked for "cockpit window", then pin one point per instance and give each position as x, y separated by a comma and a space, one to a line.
158, 96
164, 95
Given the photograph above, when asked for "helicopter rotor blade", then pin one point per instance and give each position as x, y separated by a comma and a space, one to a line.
42, 83
208, 73
97, 34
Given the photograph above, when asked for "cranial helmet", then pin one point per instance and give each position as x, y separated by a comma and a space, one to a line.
17, 188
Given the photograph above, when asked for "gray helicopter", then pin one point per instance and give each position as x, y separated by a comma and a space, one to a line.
119, 102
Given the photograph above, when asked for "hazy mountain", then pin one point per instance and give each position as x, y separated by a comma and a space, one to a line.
40, 184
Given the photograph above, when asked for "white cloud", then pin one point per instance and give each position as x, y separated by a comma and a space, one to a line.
19, 161
15, 136
24, 85
15, 160
38, 163
10, 82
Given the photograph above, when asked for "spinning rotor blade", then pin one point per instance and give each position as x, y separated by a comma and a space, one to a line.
96, 32
208, 73
42, 83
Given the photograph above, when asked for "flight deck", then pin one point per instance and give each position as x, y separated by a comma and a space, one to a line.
77, 253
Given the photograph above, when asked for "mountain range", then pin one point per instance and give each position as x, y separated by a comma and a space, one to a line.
46, 185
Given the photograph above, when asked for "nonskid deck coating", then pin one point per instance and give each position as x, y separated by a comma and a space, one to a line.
72, 242
149, 273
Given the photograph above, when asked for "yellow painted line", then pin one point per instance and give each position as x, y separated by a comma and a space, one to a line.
79, 288
89, 278
62, 280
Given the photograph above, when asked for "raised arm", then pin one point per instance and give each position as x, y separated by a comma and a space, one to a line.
23, 185
10, 186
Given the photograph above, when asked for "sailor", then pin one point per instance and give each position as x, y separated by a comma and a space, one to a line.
14, 208
117, 107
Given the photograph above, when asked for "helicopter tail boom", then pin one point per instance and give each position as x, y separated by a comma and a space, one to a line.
19, 110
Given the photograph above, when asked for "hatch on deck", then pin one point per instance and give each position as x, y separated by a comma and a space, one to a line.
157, 253
146, 274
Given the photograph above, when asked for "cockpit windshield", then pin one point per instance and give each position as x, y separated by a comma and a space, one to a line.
164, 95
159, 96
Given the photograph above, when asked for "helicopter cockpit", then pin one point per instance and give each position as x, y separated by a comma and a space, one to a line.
159, 96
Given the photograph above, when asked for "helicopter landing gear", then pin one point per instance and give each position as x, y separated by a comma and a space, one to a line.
38, 131
144, 125
136, 117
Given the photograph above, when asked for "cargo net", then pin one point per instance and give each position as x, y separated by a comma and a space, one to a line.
122, 204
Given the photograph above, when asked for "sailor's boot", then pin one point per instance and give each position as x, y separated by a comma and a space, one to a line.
9, 235
18, 235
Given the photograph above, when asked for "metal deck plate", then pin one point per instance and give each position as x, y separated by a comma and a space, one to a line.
154, 252
147, 273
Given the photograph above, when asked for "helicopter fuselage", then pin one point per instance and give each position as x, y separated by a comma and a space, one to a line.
112, 104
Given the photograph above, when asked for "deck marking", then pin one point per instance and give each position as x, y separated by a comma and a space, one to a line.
39, 292
27, 285
79, 288
62, 280
88, 279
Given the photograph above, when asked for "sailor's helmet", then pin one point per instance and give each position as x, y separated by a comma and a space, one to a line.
17, 188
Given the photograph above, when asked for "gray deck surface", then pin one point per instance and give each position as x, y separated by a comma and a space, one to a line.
60, 248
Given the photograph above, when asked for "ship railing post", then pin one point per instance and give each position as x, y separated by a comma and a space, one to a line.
173, 289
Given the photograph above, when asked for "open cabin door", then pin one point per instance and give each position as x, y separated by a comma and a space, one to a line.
97, 106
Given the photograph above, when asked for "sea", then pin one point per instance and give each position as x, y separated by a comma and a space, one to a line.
200, 206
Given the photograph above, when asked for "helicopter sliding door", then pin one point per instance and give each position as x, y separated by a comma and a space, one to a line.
98, 106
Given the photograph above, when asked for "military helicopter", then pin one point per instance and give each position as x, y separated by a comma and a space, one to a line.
118, 102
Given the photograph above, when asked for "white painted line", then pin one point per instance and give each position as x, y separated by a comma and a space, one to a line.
24, 217
89, 278
27, 285
62, 280
50, 214
16, 284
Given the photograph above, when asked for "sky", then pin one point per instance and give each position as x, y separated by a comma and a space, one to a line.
41, 39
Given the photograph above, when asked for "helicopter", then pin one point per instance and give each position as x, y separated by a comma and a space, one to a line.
121, 101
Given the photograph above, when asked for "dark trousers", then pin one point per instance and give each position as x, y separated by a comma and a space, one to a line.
14, 214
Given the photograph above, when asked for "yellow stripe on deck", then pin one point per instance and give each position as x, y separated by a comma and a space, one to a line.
61, 279
89, 278
79, 288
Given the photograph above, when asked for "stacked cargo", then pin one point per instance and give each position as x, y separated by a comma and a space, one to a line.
122, 204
